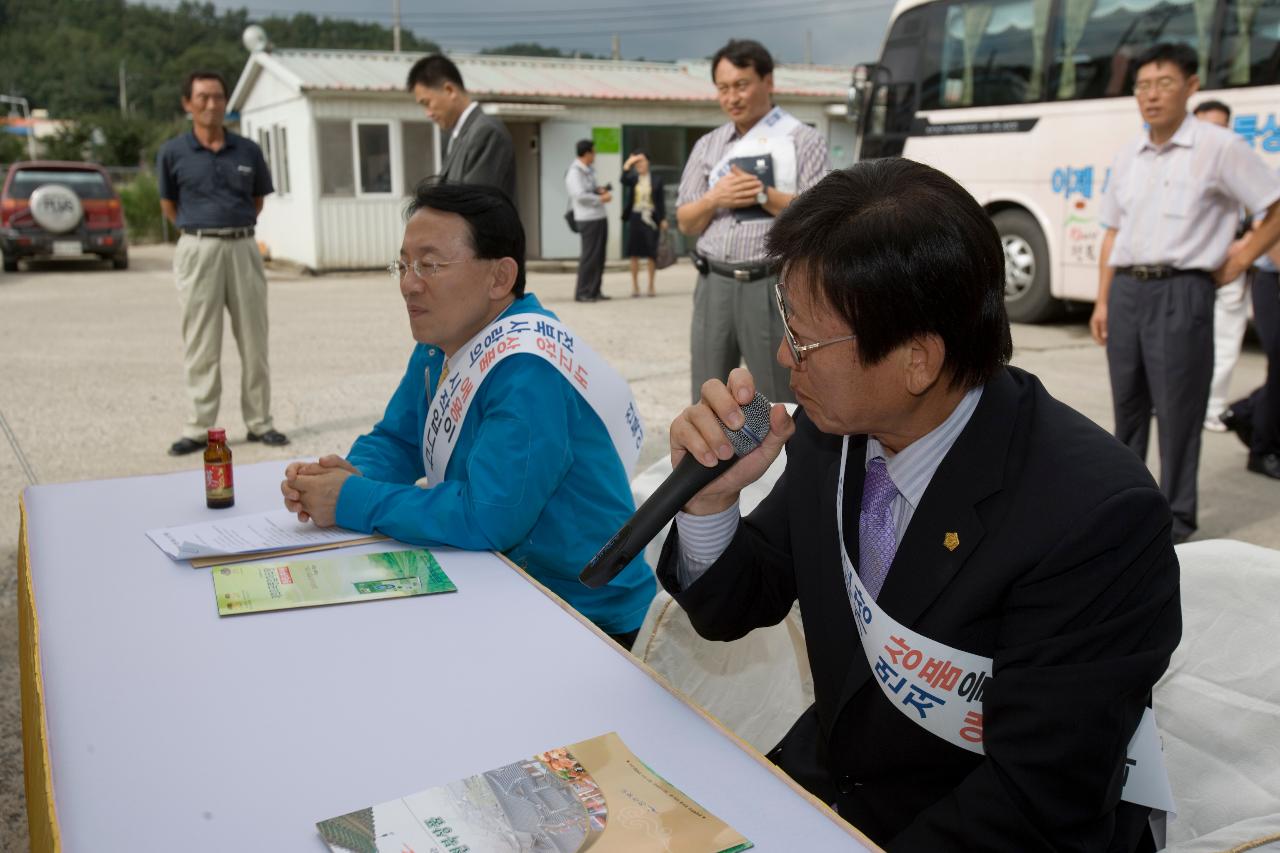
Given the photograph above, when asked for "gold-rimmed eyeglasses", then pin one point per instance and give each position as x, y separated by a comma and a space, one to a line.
1160, 84
422, 269
798, 349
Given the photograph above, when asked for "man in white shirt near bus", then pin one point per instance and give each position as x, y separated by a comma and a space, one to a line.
1171, 212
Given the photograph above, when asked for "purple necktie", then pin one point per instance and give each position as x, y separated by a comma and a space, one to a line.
876, 542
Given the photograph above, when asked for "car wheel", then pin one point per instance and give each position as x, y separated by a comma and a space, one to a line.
1026, 268
120, 261
10, 264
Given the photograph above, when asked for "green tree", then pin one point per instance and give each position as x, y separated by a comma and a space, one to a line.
123, 139
73, 141
529, 48
12, 148
66, 55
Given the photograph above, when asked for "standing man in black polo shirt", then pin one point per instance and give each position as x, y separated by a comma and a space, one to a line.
212, 183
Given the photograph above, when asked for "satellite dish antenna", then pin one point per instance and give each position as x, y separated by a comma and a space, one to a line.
255, 39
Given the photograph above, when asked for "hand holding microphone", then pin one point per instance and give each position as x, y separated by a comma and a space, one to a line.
698, 431
707, 441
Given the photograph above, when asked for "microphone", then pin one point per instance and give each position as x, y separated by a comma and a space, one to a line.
688, 478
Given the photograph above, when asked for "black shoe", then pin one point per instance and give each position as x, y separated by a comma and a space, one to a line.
185, 445
600, 297
270, 437
1242, 427
584, 299
1267, 464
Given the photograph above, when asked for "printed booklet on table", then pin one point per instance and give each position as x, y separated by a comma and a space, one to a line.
594, 795
305, 582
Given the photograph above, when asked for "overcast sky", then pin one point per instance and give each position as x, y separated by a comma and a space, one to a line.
842, 31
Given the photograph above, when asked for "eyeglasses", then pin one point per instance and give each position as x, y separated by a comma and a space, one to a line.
738, 87
1160, 84
798, 349
422, 269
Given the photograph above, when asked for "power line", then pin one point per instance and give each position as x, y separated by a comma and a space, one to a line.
490, 33
608, 19
541, 14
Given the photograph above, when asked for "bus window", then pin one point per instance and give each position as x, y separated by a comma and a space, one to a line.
1096, 41
991, 53
1250, 44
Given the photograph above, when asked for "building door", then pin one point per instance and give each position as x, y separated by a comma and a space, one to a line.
524, 139
668, 148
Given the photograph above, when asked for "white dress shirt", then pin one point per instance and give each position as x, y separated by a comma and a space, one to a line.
1178, 204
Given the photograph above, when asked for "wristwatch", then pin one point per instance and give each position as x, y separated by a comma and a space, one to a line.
762, 198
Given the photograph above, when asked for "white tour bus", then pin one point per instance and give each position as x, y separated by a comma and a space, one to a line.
1026, 102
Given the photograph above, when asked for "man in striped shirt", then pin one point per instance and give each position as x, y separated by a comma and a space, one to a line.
738, 178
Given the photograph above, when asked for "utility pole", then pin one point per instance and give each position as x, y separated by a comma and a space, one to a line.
395, 26
124, 92
808, 47
617, 47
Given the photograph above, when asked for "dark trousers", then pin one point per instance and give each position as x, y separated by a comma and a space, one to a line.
1262, 407
1160, 355
594, 234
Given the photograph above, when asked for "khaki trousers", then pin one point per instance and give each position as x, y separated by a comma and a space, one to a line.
213, 274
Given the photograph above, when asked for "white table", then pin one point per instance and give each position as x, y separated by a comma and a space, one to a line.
171, 728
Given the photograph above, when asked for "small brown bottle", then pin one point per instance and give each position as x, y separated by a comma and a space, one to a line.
219, 492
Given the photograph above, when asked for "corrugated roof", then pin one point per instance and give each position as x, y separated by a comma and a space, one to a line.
536, 78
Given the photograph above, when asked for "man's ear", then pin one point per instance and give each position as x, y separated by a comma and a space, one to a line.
926, 360
504, 278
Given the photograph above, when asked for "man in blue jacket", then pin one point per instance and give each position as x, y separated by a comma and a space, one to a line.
506, 433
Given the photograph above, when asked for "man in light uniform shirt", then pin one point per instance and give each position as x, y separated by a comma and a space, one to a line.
588, 201
1171, 211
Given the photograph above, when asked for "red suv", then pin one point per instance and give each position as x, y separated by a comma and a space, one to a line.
54, 209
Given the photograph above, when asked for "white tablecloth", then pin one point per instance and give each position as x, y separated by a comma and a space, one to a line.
172, 728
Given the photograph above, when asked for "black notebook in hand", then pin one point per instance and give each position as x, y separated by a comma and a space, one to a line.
761, 166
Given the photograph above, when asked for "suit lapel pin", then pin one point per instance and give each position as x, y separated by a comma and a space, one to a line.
951, 541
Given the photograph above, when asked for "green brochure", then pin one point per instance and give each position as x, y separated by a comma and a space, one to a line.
305, 582
595, 794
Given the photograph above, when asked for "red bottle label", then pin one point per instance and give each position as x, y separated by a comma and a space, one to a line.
217, 480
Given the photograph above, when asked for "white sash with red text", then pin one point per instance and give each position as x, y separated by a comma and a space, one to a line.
602, 387
940, 688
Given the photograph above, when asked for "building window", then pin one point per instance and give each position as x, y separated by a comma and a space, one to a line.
281, 165
374, 157
337, 172
417, 152
264, 142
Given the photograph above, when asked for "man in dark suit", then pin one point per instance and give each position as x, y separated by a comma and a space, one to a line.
477, 146
979, 514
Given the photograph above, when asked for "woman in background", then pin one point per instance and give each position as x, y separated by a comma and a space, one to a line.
644, 210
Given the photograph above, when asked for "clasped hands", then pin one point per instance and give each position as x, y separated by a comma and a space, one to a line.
696, 431
311, 489
736, 189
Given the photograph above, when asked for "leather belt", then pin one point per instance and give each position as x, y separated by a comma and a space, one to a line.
1149, 272
740, 272
220, 233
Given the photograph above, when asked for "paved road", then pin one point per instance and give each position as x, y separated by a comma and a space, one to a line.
91, 387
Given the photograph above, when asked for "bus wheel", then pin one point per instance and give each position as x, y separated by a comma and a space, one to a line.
1026, 268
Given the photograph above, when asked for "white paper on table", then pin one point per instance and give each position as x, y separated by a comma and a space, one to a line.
246, 534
